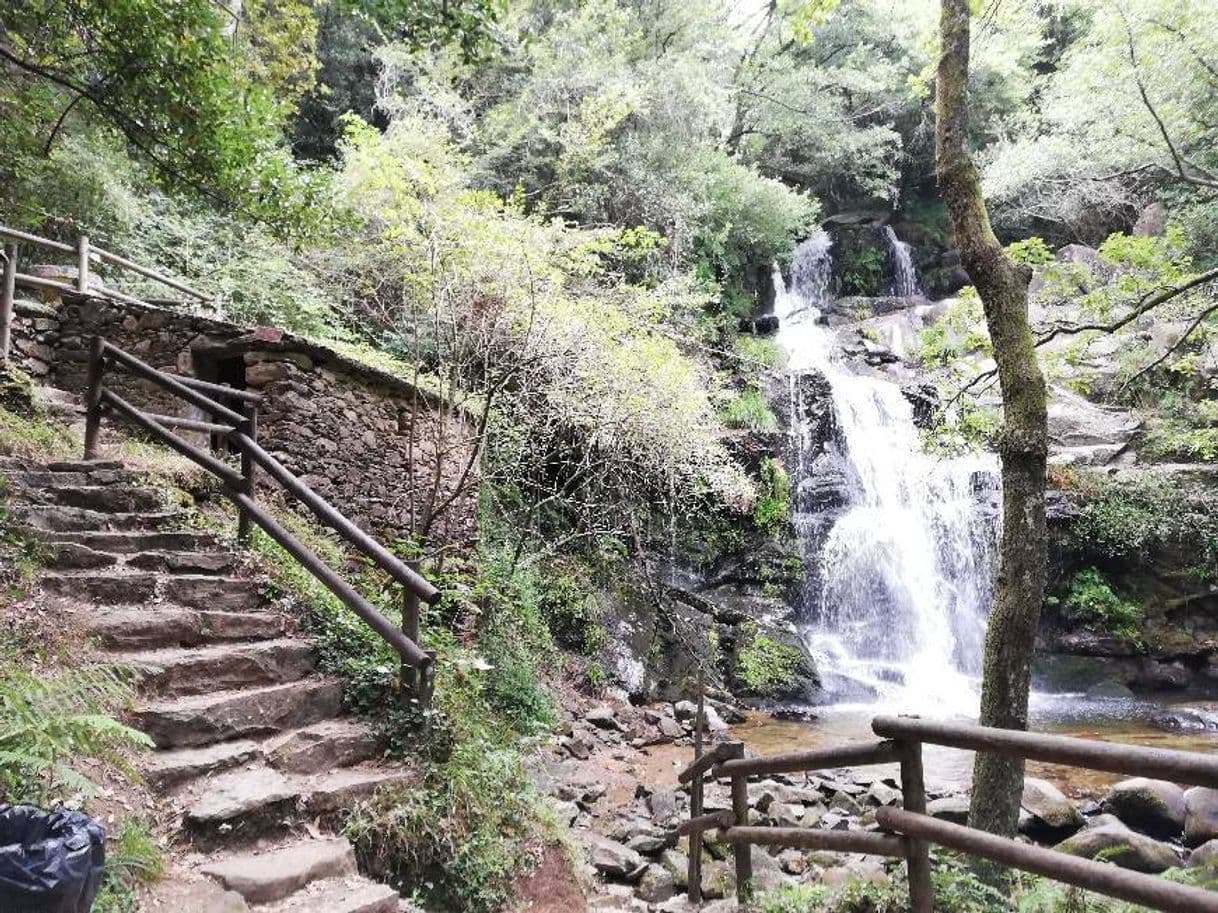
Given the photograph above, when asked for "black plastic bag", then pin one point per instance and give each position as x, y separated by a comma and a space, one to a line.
50, 862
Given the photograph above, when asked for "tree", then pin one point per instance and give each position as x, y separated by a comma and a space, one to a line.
1003, 287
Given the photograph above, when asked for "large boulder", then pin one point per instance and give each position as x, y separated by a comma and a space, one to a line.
1051, 816
613, 860
1200, 815
1119, 845
1154, 807
949, 808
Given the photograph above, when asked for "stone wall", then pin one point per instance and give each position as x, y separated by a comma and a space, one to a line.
35, 334
367, 441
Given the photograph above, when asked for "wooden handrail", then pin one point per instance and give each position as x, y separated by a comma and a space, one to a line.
18, 235
238, 487
1133, 760
817, 759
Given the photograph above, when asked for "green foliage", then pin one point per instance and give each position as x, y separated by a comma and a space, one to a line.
772, 511
853, 897
961, 331
457, 836
132, 858
1132, 517
759, 352
51, 721
863, 272
750, 410
1090, 600
570, 608
764, 665
1030, 251
957, 887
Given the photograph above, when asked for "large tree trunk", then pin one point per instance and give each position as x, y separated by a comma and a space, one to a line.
1003, 286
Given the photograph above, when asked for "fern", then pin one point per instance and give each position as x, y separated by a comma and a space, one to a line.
51, 722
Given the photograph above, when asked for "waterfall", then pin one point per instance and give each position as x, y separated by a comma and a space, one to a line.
904, 276
901, 571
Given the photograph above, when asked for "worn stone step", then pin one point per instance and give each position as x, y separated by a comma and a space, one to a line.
41, 478
242, 803
82, 465
322, 746
106, 588
217, 717
132, 542
271, 876
166, 769
325, 793
152, 627
223, 667
256, 796
218, 593
56, 518
340, 895
184, 562
108, 498
74, 556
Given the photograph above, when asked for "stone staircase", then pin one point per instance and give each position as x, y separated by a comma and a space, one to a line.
252, 749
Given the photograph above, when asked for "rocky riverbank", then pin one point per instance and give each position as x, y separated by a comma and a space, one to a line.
611, 780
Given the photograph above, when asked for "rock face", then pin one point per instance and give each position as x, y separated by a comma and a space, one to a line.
1154, 807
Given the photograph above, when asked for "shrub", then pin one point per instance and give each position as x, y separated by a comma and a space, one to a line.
1091, 601
49, 722
132, 858
760, 352
1032, 251
750, 410
773, 508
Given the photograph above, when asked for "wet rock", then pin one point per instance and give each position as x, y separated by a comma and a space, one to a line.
1053, 816
663, 806
1154, 807
602, 717
613, 860
656, 886
1163, 676
1191, 718
685, 711
575, 747
882, 794
845, 804
1123, 847
1200, 815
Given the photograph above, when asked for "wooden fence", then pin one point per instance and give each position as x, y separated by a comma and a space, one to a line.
85, 254
907, 832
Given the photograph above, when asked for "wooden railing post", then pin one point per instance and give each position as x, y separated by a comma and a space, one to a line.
82, 263
740, 813
250, 429
97, 366
414, 684
694, 873
8, 291
917, 860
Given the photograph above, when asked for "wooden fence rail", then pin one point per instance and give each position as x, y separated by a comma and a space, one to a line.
239, 427
86, 254
908, 832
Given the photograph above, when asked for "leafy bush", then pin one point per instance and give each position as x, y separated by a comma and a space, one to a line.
51, 721
1031, 251
854, 897
759, 352
772, 511
1091, 601
750, 410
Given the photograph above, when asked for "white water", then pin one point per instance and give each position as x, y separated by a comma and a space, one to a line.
904, 276
905, 569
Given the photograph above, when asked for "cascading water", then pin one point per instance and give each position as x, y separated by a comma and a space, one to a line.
904, 276
902, 569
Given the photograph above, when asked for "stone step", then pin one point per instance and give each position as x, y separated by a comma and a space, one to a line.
126, 543
108, 498
217, 593
346, 895
82, 465
207, 718
184, 562
274, 875
246, 802
54, 518
166, 769
311, 749
41, 478
113, 588
153, 627
322, 746
69, 556
223, 667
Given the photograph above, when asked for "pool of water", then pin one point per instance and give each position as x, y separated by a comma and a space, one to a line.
950, 770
